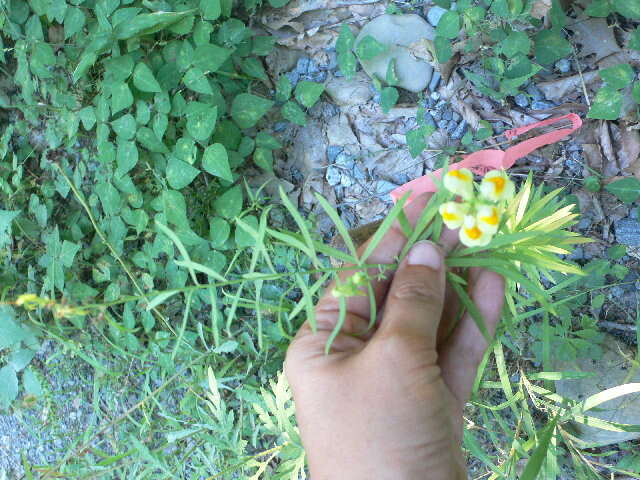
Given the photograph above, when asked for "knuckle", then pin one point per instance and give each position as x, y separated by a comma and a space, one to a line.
416, 290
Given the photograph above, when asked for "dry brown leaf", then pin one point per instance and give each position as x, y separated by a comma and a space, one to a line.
540, 8
593, 156
630, 151
610, 166
561, 88
594, 37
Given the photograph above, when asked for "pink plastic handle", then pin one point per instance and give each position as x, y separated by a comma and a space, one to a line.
482, 161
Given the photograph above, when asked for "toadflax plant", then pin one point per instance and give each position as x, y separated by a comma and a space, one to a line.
517, 234
478, 215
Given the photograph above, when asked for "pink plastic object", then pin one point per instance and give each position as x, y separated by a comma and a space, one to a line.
482, 161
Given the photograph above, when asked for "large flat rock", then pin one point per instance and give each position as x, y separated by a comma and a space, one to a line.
398, 32
610, 371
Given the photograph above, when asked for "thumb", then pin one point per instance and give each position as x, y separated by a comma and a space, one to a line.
415, 300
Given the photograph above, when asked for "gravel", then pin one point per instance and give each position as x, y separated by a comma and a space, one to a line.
542, 105
535, 93
522, 100
628, 232
435, 81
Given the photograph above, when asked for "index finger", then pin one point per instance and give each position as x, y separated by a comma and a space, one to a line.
385, 253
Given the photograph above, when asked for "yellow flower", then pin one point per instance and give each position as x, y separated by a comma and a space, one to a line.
488, 218
453, 214
471, 235
459, 182
497, 186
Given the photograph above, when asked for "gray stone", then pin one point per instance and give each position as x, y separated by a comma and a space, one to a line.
350, 92
434, 15
460, 130
609, 371
521, 100
435, 96
443, 124
429, 120
456, 117
398, 32
447, 115
563, 66
452, 127
541, 105
628, 232
535, 92
435, 80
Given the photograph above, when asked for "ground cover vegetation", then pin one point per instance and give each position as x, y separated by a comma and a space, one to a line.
137, 260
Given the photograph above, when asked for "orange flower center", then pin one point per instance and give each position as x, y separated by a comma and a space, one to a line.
493, 219
473, 233
498, 182
449, 216
460, 175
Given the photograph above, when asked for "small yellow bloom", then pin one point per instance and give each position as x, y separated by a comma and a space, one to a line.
471, 235
488, 218
453, 214
497, 186
459, 182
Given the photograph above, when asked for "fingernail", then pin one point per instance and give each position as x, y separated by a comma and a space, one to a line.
426, 254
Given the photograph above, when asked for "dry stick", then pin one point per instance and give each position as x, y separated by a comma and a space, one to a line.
584, 85
618, 326
104, 239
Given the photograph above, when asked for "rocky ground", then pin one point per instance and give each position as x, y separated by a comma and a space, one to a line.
354, 154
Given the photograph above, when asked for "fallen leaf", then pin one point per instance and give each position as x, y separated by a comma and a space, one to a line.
630, 150
559, 89
593, 157
540, 8
610, 165
595, 37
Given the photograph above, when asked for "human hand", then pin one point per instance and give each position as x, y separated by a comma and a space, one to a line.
387, 403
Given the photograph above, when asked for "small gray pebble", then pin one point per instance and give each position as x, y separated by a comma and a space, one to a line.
521, 100
456, 117
294, 77
452, 127
460, 130
541, 105
577, 254
303, 65
563, 66
628, 232
429, 120
435, 81
435, 96
434, 15
447, 115
436, 115
535, 92
358, 174
499, 127
443, 124
280, 126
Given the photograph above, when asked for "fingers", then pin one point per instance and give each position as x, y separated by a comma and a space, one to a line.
460, 356
415, 300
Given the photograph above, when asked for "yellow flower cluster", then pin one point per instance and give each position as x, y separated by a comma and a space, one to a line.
478, 215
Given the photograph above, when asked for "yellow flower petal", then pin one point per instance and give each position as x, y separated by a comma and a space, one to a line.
488, 218
453, 214
497, 186
459, 182
472, 235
